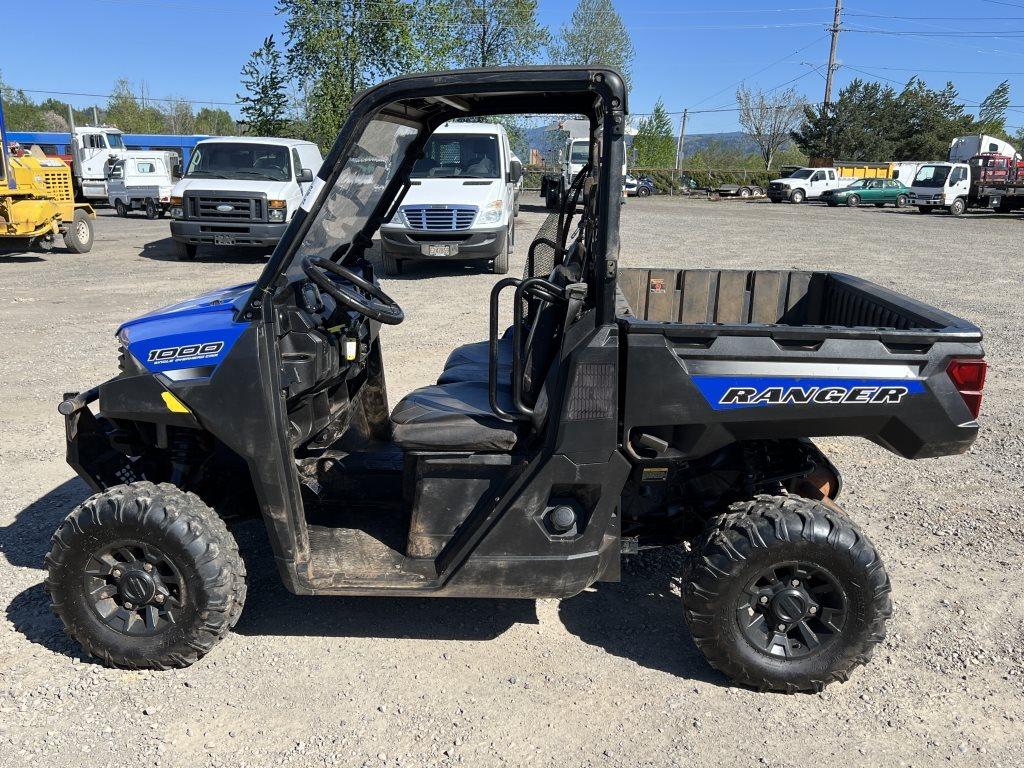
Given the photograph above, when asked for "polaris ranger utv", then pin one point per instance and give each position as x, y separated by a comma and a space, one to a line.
622, 410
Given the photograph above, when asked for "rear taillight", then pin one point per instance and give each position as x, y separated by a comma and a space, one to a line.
969, 379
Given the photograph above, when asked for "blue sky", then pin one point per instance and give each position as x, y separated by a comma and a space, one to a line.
692, 53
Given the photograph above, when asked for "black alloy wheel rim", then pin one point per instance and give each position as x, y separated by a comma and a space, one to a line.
134, 588
792, 610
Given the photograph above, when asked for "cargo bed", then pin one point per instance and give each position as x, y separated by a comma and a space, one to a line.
715, 356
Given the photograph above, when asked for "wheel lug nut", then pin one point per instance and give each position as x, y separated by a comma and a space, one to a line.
813, 609
159, 598
129, 606
796, 582
764, 599
782, 627
147, 567
116, 573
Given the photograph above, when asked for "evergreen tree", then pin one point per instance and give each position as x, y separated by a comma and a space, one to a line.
265, 100
654, 145
595, 35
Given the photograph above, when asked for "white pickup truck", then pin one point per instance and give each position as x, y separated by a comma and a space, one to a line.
240, 191
804, 184
142, 181
461, 202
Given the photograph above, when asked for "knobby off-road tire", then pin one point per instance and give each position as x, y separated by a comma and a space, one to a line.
810, 550
145, 576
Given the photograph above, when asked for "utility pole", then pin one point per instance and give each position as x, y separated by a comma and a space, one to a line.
834, 29
679, 147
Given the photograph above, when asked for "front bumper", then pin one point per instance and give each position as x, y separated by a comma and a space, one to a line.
208, 232
483, 243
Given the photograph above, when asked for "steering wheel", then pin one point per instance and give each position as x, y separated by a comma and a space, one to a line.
362, 296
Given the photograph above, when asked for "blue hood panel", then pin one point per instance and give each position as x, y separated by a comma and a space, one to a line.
187, 340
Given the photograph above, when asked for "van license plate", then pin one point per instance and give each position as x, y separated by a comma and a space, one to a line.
223, 240
439, 250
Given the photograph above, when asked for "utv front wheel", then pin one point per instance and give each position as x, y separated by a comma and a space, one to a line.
145, 576
785, 594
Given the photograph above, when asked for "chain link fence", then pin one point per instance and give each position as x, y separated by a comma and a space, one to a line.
671, 181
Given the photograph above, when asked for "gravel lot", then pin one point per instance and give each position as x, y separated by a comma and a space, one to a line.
609, 678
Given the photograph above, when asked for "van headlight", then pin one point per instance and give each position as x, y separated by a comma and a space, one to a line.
491, 213
177, 212
277, 210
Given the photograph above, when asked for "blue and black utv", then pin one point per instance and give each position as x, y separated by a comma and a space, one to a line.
622, 410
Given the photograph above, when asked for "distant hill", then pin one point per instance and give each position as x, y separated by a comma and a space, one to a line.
540, 139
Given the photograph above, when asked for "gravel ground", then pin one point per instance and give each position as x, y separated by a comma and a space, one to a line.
608, 678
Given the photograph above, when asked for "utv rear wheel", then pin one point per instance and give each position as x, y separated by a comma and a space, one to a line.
78, 235
184, 251
785, 594
145, 576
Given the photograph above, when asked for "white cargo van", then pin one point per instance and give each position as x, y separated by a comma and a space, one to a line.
142, 181
240, 191
461, 202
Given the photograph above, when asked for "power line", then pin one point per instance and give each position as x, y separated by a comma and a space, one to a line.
169, 99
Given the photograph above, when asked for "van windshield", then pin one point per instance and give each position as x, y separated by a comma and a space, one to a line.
580, 153
240, 160
931, 176
459, 155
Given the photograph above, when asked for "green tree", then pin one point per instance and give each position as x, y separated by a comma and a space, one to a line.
992, 112
338, 48
215, 122
178, 117
595, 35
654, 145
131, 113
265, 100
497, 32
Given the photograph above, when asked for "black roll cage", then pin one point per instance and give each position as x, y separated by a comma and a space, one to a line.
426, 101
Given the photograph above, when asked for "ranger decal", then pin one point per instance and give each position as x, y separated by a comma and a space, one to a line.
728, 392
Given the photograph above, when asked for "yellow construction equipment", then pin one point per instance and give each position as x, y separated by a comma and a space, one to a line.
37, 202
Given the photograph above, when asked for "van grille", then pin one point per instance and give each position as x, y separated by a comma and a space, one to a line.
225, 207
449, 217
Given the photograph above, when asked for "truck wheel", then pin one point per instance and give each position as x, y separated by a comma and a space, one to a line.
500, 265
643, 191
902, 201
78, 234
957, 207
853, 201
151, 211
184, 251
392, 266
924, 209
145, 576
785, 594
797, 196
119, 206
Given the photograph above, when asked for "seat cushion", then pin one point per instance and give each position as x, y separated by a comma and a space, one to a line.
451, 417
473, 372
478, 352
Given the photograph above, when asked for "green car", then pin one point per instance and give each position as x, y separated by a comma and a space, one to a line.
877, 191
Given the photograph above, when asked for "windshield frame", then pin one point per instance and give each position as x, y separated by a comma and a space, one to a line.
200, 150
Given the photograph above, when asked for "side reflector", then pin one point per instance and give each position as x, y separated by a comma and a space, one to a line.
174, 405
968, 377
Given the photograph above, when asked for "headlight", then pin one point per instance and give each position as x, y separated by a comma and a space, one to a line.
784, 186
177, 212
278, 210
492, 213
399, 219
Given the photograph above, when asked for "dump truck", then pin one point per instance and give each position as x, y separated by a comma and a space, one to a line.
622, 410
37, 202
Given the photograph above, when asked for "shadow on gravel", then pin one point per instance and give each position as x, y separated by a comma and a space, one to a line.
24, 543
641, 617
162, 250
19, 257
271, 610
